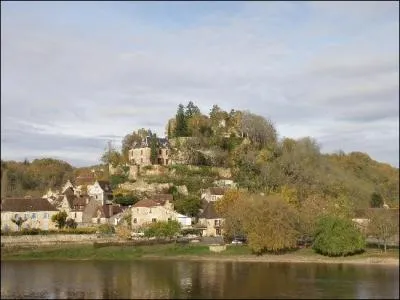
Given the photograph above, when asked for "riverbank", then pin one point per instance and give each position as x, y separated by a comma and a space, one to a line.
189, 252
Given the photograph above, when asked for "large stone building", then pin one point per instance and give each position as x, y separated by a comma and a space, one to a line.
157, 208
140, 154
37, 213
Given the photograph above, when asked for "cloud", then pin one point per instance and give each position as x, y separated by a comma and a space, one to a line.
75, 75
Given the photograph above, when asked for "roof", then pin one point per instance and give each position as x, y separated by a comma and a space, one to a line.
217, 190
57, 200
105, 210
145, 143
105, 185
146, 203
85, 180
210, 212
68, 191
26, 204
162, 198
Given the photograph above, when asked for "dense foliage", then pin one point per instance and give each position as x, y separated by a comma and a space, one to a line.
60, 219
163, 229
337, 236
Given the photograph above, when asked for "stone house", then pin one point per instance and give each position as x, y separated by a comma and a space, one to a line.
151, 210
213, 193
210, 221
37, 212
106, 214
100, 191
140, 154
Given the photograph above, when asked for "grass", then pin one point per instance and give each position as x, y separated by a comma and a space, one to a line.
88, 252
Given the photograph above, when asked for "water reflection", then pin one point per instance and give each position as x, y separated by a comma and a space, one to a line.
185, 279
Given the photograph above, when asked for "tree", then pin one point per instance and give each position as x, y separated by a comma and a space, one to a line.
181, 122
259, 130
112, 157
71, 223
125, 200
162, 229
191, 110
336, 236
188, 206
270, 224
376, 200
154, 147
60, 219
384, 225
18, 221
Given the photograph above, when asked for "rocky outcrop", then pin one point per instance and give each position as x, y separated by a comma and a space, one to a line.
141, 187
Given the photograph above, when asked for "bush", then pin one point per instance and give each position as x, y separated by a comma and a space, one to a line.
70, 223
106, 229
337, 236
163, 229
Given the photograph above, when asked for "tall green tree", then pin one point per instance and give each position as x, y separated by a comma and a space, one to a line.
376, 200
181, 128
60, 219
154, 148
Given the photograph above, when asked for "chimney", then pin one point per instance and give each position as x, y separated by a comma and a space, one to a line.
110, 209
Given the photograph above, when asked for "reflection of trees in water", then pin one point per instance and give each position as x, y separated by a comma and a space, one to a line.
188, 279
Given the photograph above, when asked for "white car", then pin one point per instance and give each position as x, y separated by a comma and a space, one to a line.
237, 242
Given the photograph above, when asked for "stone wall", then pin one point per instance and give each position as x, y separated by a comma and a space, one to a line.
39, 240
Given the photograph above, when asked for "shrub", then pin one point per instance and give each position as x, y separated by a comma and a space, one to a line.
163, 229
60, 219
106, 229
337, 236
123, 232
70, 223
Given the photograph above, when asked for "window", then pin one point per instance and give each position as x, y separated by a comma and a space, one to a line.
154, 220
74, 215
33, 216
95, 197
217, 222
217, 231
150, 210
45, 215
160, 151
135, 220
166, 152
141, 153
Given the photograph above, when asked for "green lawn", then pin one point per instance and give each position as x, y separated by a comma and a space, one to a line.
62, 252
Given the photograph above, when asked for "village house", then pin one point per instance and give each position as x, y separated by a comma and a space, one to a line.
225, 183
213, 193
140, 154
156, 209
100, 191
36, 212
210, 221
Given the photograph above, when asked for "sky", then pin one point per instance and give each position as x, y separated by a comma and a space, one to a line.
75, 75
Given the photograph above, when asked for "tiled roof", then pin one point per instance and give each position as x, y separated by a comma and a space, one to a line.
146, 203
105, 185
26, 204
105, 210
162, 198
85, 180
210, 212
217, 190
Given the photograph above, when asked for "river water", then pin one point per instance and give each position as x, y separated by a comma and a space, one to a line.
193, 279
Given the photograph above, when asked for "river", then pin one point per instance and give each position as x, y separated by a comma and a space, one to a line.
195, 279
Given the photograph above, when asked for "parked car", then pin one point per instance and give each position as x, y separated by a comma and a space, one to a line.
237, 242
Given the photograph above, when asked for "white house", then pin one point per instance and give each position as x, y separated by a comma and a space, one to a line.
100, 191
213, 193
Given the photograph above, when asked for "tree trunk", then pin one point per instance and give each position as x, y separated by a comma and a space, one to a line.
384, 243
